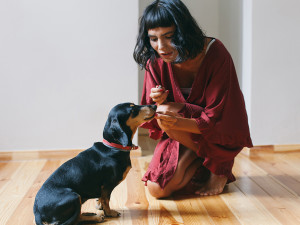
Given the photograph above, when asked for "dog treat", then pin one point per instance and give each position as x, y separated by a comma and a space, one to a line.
160, 87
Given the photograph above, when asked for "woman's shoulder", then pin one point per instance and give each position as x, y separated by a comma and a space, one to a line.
217, 44
218, 51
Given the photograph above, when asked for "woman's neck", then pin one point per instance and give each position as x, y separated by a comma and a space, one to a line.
190, 65
193, 65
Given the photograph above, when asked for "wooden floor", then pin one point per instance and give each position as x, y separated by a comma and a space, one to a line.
267, 192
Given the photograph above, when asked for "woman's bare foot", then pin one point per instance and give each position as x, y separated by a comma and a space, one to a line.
213, 186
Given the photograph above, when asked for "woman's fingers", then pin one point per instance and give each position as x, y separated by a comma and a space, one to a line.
166, 125
164, 96
165, 117
167, 114
166, 120
155, 95
159, 94
157, 90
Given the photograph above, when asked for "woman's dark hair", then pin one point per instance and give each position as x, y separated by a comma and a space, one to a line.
188, 38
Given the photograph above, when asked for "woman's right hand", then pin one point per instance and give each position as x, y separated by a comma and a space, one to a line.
159, 94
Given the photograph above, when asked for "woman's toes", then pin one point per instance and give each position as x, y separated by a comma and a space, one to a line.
214, 186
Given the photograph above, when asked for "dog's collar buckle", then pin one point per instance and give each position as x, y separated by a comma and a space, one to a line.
129, 148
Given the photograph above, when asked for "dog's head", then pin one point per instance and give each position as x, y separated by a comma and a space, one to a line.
123, 121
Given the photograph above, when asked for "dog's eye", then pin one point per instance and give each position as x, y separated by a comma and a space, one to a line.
134, 112
132, 108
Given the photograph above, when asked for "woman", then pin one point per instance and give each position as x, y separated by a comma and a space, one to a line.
201, 120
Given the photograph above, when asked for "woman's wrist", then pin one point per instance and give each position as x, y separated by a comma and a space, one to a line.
186, 124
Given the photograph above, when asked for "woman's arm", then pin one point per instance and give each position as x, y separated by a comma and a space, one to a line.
169, 121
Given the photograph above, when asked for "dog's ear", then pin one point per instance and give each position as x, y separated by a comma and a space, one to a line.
115, 132
119, 133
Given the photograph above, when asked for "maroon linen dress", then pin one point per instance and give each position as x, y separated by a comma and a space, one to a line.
215, 102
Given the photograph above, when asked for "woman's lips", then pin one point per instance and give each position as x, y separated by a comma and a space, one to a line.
166, 55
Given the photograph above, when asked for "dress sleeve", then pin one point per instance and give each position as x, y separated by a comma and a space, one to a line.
223, 120
216, 93
150, 81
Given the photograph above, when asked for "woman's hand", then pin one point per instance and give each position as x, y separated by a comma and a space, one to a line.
170, 120
167, 120
159, 94
167, 115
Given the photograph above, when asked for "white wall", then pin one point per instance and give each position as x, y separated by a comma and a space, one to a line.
63, 65
259, 35
230, 30
275, 99
206, 13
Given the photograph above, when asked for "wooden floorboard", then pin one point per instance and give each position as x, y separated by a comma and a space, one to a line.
266, 191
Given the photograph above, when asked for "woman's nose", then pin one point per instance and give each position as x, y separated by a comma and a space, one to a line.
161, 45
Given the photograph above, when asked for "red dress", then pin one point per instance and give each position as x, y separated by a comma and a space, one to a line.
215, 102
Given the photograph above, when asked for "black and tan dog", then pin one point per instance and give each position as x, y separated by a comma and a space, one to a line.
93, 173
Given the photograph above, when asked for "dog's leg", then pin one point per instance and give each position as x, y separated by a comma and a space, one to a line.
98, 204
90, 217
99, 208
105, 197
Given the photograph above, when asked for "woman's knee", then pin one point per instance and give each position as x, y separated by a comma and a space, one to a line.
156, 191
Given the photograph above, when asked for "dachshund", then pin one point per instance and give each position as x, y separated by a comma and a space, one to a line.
93, 173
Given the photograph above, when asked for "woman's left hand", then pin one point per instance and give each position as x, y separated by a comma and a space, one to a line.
166, 120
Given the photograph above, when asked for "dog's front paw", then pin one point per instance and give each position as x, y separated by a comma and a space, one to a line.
113, 213
100, 214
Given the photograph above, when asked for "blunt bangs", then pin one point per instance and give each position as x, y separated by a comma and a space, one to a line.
158, 17
188, 38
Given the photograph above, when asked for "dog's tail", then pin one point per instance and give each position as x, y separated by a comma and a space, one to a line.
71, 220
75, 215
37, 214
91, 220
37, 217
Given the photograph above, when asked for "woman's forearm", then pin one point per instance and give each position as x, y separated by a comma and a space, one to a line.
186, 124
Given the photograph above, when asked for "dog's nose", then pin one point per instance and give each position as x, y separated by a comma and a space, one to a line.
154, 107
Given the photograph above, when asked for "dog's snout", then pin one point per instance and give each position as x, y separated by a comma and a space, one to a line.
154, 107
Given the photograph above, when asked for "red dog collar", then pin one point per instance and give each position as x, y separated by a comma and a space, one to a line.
133, 147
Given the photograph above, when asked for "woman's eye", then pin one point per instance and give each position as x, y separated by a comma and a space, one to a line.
169, 37
153, 39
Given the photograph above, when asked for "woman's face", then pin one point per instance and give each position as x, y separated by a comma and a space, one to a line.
160, 40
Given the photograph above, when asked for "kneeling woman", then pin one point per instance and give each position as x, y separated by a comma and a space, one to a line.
202, 122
